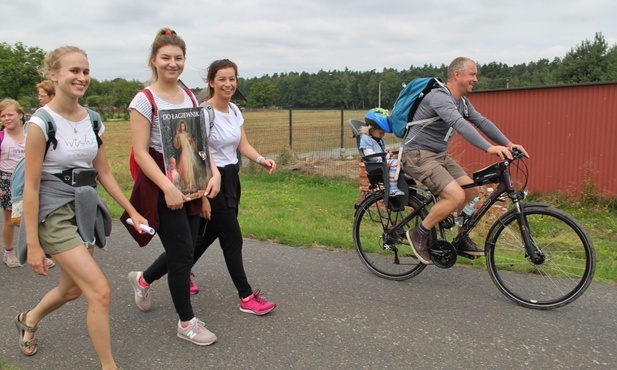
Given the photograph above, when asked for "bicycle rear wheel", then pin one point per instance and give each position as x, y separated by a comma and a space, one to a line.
563, 274
384, 250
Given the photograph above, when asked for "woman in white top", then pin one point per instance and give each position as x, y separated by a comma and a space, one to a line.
172, 214
227, 138
76, 151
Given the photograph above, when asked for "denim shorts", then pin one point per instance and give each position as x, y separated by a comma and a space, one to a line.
434, 170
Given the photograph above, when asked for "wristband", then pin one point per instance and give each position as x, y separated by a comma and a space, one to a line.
259, 159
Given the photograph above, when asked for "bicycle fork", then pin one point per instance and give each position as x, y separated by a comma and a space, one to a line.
531, 251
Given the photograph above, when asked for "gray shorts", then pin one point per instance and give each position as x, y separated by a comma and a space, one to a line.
434, 170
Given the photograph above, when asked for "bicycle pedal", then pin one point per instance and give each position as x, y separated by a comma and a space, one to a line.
468, 256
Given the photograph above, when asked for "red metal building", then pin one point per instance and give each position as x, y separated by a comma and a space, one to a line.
569, 131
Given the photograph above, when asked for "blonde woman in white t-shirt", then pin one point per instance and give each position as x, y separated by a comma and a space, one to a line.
78, 149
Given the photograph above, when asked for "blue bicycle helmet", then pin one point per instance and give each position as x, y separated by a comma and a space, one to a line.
380, 118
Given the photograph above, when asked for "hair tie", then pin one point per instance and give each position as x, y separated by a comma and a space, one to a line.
168, 33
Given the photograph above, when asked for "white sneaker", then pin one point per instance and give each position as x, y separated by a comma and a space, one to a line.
142, 295
196, 333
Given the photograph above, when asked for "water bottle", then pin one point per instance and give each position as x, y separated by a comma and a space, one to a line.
467, 211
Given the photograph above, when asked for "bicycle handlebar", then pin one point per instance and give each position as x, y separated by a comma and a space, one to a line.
517, 153
492, 173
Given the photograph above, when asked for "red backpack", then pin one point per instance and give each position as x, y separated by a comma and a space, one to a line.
133, 166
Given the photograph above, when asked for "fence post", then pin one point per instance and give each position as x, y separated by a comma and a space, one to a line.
342, 152
290, 128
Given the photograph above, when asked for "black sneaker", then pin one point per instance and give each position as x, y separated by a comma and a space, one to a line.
467, 246
419, 243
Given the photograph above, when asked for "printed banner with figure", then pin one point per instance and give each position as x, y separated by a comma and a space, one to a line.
185, 149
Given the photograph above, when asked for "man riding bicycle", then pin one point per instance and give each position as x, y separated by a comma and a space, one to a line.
425, 155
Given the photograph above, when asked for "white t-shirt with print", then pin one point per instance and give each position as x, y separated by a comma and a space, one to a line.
225, 136
141, 103
11, 152
74, 149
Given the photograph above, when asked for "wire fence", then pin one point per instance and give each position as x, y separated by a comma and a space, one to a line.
308, 141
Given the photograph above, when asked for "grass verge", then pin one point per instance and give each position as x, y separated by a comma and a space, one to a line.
307, 210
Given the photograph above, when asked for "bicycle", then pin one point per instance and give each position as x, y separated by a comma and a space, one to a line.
538, 256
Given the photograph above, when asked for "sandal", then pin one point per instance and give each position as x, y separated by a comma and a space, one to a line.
10, 259
24, 345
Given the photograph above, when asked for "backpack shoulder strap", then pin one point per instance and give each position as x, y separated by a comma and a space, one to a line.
150, 97
95, 120
234, 108
155, 109
208, 107
51, 128
1, 138
465, 107
191, 95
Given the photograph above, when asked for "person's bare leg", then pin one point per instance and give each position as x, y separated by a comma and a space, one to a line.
86, 274
7, 230
470, 193
66, 291
451, 198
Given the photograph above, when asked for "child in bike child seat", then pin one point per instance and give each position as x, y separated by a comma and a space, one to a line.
372, 141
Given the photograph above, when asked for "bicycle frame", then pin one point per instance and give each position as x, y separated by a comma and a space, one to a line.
504, 186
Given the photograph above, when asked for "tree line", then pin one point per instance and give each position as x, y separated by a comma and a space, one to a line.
590, 61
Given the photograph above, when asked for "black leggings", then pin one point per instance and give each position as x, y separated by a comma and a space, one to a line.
224, 225
177, 231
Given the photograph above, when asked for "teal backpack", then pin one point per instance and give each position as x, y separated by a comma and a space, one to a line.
17, 178
408, 101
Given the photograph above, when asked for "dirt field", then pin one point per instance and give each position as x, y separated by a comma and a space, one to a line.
321, 141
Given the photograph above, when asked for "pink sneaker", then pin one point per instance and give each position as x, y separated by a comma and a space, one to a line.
193, 287
256, 305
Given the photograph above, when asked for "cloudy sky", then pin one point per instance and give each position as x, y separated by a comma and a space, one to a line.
273, 36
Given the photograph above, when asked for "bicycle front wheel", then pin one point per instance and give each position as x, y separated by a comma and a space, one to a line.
382, 247
563, 271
